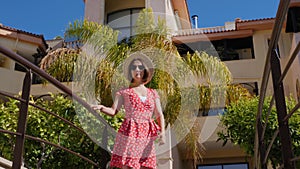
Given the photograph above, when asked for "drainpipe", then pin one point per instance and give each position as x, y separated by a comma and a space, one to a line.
195, 21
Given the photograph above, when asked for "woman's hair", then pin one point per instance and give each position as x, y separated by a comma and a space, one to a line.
146, 70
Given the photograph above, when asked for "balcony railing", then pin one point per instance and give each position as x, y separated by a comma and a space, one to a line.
76, 44
24, 103
201, 30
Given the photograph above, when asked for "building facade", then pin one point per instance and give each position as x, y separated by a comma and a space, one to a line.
241, 44
31, 46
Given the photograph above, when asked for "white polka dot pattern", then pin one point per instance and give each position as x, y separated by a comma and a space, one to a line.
134, 144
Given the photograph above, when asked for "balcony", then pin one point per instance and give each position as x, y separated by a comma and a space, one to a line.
209, 126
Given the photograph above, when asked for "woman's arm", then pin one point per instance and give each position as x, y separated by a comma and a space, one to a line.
160, 120
113, 110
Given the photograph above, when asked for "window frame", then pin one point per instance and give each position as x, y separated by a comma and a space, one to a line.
222, 165
131, 26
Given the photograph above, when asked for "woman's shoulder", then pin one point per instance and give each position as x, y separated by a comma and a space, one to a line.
154, 92
123, 91
151, 89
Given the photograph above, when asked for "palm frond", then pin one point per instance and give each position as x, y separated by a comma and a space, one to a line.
60, 63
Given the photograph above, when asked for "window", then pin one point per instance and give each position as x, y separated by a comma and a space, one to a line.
210, 167
293, 20
20, 68
225, 49
214, 112
225, 166
123, 21
235, 166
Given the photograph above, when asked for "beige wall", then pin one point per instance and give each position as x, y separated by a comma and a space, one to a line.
247, 70
97, 10
294, 72
22, 48
22, 44
286, 44
94, 10
251, 70
164, 152
11, 81
40, 89
177, 158
164, 10
117, 5
209, 127
7, 63
260, 45
215, 152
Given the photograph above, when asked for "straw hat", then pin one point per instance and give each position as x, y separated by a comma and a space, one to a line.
146, 61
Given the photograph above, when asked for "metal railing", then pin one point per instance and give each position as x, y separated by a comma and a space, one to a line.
76, 44
272, 65
24, 103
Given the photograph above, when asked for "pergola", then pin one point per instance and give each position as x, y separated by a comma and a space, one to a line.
272, 65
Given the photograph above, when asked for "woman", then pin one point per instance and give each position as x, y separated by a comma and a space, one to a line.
134, 145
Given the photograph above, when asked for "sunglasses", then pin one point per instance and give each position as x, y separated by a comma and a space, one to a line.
133, 67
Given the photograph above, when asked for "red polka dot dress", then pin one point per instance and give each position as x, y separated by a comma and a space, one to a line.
134, 144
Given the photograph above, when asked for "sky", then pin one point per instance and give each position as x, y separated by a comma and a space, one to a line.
51, 17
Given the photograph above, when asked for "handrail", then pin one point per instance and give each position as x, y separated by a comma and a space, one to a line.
50, 79
272, 63
52, 144
45, 110
290, 62
60, 86
284, 73
297, 106
259, 145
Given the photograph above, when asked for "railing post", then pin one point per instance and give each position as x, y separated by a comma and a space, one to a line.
22, 121
261, 144
106, 156
105, 137
284, 132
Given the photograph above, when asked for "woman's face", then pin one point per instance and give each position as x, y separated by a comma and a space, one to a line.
137, 71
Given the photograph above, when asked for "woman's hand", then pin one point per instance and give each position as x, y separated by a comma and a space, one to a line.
162, 138
97, 107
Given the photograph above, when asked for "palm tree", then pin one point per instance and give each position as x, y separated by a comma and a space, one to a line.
60, 63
